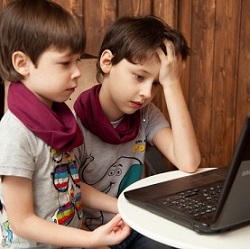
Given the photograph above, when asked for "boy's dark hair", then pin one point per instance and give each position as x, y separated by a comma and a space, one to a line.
136, 39
34, 26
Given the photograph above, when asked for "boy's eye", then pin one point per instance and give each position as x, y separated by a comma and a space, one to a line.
139, 77
65, 63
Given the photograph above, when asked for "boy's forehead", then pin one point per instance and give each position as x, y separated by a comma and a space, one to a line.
54, 48
64, 52
149, 66
147, 58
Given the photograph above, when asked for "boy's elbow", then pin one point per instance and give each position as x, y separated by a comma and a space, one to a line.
190, 165
17, 228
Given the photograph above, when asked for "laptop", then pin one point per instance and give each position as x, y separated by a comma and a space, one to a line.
212, 201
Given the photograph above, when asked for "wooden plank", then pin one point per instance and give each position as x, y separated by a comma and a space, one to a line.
67, 4
224, 82
99, 15
243, 88
166, 10
184, 25
134, 7
201, 73
77, 7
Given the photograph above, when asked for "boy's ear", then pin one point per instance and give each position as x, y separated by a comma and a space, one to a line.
105, 61
20, 62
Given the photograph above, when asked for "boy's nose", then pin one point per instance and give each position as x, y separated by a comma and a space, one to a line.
76, 73
146, 91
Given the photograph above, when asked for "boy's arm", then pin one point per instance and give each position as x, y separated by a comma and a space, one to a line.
179, 143
95, 199
18, 201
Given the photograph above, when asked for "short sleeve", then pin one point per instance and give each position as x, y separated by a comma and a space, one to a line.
154, 121
16, 146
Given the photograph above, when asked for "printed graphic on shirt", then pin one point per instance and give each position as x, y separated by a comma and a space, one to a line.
7, 234
139, 146
116, 176
66, 180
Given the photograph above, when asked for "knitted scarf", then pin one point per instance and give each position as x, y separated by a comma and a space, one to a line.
57, 126
89, 111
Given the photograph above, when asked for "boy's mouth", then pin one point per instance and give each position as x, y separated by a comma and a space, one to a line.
136, 105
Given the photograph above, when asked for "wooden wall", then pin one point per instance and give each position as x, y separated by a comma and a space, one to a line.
216, 82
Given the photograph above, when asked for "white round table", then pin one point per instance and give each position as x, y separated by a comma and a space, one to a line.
169, 233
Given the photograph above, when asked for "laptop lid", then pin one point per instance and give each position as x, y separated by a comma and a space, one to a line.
233, 208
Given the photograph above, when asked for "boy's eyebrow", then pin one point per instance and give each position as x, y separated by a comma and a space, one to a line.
139, 68
143, 70
68, 54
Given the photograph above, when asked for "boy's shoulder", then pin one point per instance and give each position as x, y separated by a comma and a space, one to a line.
10, 120
151, 109
11, 127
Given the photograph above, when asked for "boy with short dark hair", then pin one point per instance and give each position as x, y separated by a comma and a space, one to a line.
138, 55
40, 46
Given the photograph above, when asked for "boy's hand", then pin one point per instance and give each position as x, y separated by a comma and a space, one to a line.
172, 65
112, 233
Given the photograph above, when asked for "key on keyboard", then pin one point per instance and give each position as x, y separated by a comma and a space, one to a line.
196, 202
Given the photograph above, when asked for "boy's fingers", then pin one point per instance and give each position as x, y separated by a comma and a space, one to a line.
170, 49
115, 221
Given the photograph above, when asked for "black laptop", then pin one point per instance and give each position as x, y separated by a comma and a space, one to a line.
213, 201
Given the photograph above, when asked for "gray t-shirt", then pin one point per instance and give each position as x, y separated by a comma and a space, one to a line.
111, 168
53, 174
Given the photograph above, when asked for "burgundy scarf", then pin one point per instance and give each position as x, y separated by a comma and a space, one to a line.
89, 110
57, 126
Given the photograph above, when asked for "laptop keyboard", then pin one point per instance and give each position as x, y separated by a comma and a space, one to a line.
197, 201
